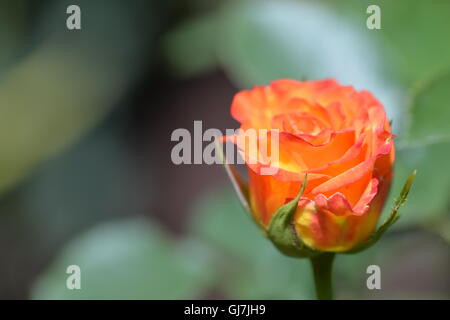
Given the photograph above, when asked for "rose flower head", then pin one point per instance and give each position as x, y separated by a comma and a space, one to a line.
339, 137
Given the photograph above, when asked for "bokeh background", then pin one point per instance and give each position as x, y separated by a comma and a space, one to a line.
86, 117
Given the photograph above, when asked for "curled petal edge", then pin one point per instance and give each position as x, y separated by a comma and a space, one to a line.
390, 220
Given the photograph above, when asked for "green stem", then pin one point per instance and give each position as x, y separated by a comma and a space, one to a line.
322, 269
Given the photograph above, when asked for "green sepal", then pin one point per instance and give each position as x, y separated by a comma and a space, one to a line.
282, 232
391, 219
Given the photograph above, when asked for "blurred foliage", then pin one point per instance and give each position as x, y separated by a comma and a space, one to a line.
414, 265
62, 198
31, 127
192, 41
429, 112
128, 259
226, 252
137, 257
410, 37
91, 182
12, 29
428, 198
65, 84
426, 147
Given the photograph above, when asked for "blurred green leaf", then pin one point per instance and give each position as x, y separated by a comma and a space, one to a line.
429, 112
250, 266
441, 227
12, 29
428, 198
41, 110
414, 33
190, 47
267, 40
411, 35
67, 82
413, 265
129, 259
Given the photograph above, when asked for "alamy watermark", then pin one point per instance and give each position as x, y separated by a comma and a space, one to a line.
73, 21
259, 146
374, 20
374, 280
74, 279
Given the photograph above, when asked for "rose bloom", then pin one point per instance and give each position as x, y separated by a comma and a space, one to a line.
340, 137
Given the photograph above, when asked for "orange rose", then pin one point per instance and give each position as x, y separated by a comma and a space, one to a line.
340, 137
